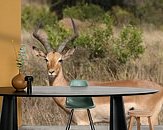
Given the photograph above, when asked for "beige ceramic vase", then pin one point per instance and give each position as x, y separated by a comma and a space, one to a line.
18, 82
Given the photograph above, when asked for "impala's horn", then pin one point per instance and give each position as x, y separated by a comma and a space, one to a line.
69, 39
42, 38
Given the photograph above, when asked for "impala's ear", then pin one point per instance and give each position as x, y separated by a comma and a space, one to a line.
68, 54
38, 52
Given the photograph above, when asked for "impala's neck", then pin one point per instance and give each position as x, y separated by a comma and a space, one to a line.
59, 80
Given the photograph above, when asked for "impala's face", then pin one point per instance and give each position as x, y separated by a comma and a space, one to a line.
53, 60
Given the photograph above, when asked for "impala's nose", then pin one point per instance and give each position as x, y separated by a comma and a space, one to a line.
52, 73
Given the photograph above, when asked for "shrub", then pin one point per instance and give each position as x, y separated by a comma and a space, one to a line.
56, 34
85, 12
149, 12
129, 44
101, 42
96, 40
33, 15
122, 16
74, 12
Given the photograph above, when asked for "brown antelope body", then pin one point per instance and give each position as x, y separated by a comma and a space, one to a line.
101, 112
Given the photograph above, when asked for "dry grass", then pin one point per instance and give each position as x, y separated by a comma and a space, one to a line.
151, 64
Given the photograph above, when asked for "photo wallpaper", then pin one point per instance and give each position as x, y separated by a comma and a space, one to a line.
109, 43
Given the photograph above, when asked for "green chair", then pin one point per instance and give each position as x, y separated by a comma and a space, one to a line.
79, 103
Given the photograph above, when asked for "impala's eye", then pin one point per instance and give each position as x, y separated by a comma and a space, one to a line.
60, 60
46, 60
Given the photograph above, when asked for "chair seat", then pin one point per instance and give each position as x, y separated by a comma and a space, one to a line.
79, 102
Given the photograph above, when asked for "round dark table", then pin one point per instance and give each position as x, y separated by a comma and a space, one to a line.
117, 112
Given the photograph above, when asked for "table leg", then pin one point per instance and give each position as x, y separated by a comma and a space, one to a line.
9, 113
117, 114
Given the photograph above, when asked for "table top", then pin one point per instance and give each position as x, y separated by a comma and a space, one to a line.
66, 91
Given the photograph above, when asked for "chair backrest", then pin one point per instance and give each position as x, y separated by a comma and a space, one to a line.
78, 83
79, 102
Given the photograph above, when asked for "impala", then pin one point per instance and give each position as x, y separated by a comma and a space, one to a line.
101, 112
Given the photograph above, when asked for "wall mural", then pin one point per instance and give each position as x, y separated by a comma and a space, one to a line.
80, 40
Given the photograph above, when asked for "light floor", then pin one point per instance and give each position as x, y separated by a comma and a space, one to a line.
101, 127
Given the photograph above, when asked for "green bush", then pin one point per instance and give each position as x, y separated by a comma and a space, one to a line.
149, 12
56, 34
129, 44
122, 16
33, 15
97, 39
101, 42
74, 12
85, 12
